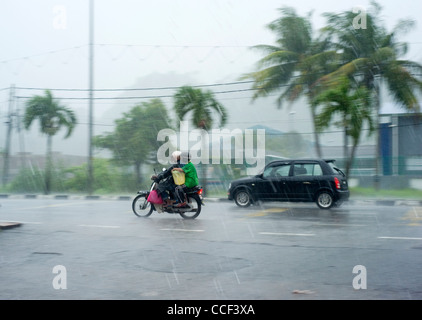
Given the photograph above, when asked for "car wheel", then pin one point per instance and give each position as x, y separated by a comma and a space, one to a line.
242, 198
325, 200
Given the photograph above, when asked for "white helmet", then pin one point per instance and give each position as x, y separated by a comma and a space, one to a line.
175, 155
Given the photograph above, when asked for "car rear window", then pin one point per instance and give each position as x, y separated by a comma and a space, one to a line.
335, 169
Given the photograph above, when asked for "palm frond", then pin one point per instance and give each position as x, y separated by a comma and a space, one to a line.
279, 58
201, 106
51, 115
402, 86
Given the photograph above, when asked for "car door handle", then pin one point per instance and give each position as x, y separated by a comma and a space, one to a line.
306, 182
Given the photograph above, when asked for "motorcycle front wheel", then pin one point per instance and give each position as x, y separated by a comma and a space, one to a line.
141, 207
194, 209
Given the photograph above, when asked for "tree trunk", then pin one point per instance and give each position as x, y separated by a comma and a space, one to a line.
316, 134
351, 158
345, 145
138, 173
345, 138
48, 165
203, 165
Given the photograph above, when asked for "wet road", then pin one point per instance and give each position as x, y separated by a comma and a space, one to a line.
98, 249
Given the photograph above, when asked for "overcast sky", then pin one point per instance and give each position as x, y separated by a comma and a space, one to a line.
45, 45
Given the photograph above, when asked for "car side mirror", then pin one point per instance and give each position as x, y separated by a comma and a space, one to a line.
261, 175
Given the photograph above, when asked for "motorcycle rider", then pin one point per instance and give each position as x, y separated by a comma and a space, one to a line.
165, 180
191, 177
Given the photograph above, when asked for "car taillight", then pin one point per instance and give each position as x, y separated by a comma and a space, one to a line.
337, 182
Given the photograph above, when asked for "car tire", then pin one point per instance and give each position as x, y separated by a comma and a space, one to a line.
325, 200
242, 198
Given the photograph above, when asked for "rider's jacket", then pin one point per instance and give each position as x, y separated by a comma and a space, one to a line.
167, 173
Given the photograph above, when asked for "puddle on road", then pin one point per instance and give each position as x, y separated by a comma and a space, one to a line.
191, 262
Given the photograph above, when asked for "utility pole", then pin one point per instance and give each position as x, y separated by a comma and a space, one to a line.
91, 102
5, 178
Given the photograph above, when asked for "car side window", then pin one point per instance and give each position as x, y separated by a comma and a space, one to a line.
277, 171
267, 172
307, 169
283, 170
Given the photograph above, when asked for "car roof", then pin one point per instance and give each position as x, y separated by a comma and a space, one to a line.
301, 159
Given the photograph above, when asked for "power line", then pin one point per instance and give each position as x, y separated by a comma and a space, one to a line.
137, 97
42, 54
158, 88
127, 46
138, 89
159, 46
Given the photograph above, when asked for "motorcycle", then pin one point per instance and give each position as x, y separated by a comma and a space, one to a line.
143, 208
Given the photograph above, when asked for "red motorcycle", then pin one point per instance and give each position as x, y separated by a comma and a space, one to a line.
144, 208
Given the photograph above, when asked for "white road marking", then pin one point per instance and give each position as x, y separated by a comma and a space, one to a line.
288, 234
49, 206
98, 226
339, 225
182, 230
400, 238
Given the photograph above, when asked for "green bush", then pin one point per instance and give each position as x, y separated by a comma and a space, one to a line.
108, 178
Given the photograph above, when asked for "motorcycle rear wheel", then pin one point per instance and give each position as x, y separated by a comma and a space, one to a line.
141, 207
195, 205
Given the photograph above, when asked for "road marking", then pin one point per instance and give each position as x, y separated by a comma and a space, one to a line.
98, 226
49, 206
339, 225
266, 212
400, 238
188, 230
288, 234
413, 217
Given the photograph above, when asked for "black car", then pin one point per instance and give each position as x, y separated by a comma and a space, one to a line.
301, 180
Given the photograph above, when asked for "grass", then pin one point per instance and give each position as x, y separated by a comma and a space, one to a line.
384, 193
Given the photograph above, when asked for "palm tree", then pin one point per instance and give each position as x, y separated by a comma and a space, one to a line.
371, 57
295, 64
353, 108
203, 108
52, 117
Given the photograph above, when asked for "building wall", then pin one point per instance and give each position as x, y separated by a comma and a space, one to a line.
401, 145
